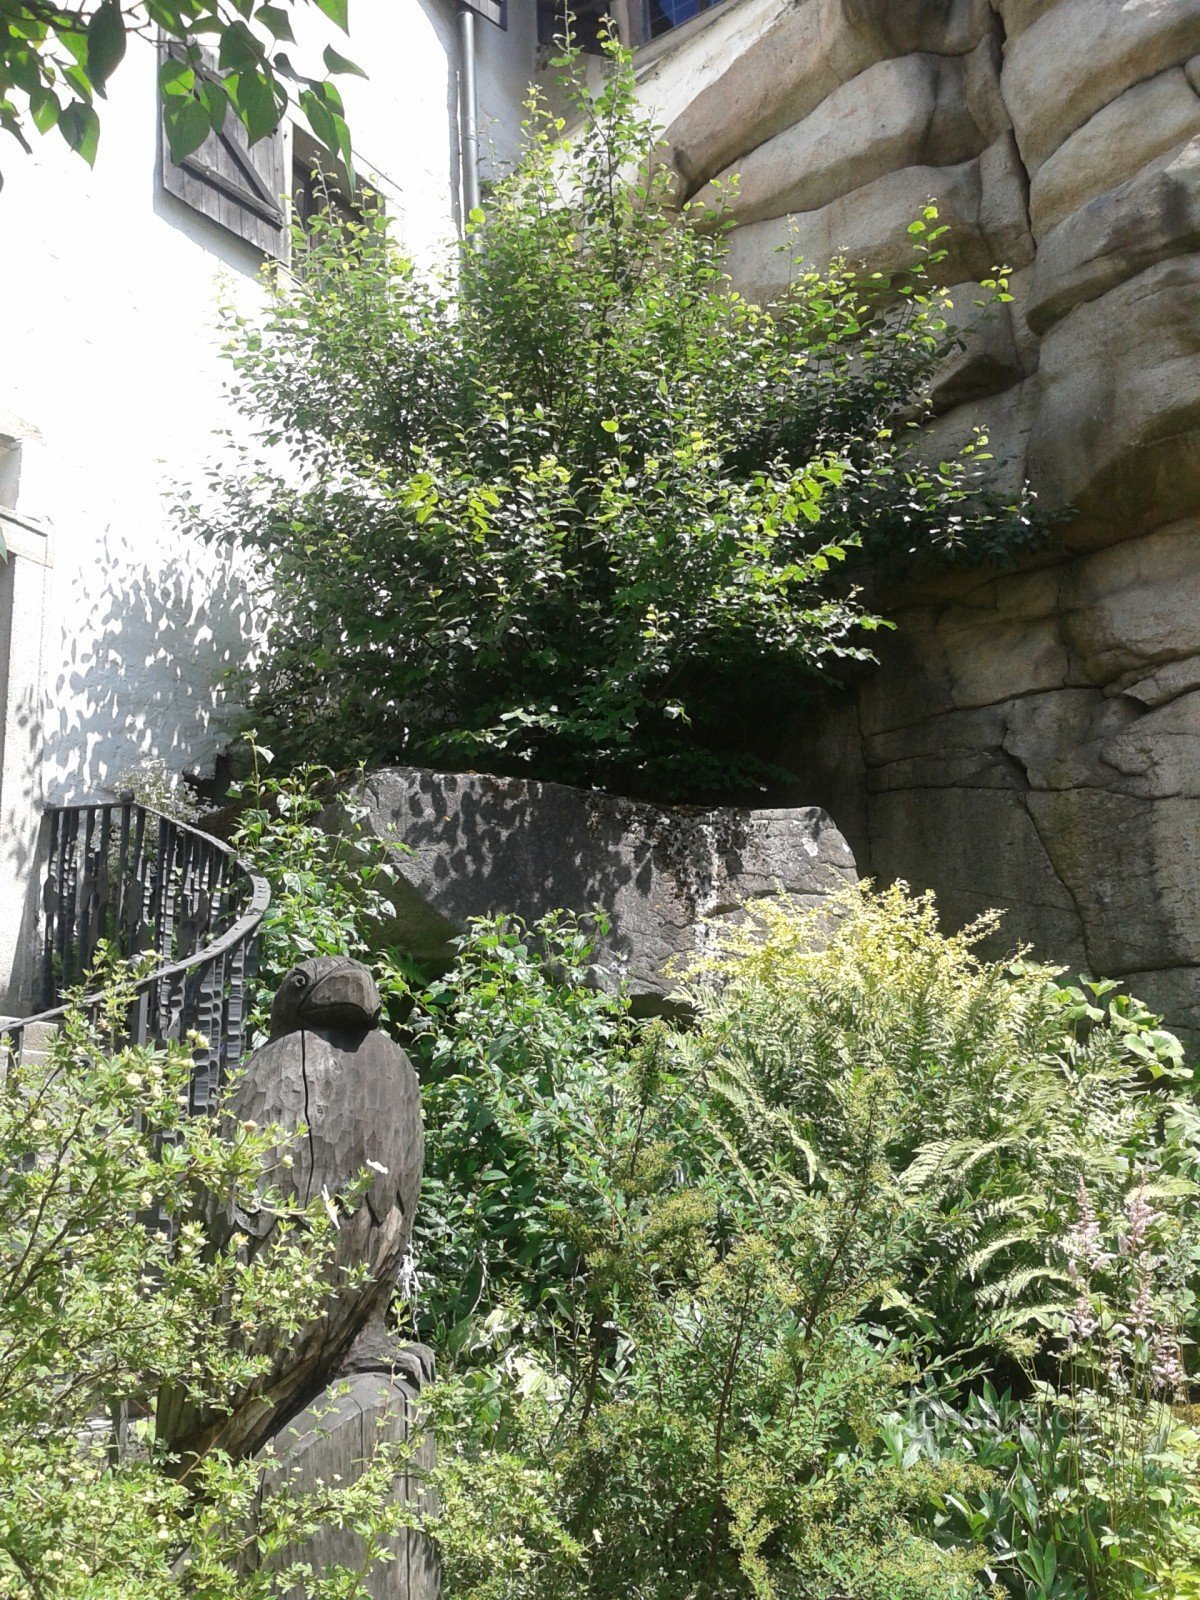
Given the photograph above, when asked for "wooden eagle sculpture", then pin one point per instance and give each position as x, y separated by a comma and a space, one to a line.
328, 1068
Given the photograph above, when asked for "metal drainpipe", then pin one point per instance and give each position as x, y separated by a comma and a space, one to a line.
468, 115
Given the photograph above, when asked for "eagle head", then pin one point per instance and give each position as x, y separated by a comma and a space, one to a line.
326, 992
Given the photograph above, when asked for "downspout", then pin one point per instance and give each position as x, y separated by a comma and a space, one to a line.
468, 114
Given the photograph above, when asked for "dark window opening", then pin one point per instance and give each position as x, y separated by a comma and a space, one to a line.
668, 14
319, 188
491, 10
588, 18
639, 21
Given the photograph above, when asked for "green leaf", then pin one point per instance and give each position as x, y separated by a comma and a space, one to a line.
44, 109
164, 14
328, 125
24, 69
240, 50
277, 21
334, 62
78, 79
75, 42
80, 127
175, 77
215, 101
257, 106
331, 95
336, 11
186, 124
105, 42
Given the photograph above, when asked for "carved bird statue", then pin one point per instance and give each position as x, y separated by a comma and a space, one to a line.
329, 1068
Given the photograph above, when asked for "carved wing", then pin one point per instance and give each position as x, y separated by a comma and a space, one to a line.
364, 1111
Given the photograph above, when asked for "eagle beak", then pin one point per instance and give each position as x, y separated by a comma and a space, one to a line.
347, 998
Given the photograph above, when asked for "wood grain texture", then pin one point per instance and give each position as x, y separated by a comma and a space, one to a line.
330, 1440
355, 1095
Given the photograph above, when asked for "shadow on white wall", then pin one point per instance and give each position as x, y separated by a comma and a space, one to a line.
145, 672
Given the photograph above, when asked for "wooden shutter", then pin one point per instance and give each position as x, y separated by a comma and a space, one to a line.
492, 10
237, 184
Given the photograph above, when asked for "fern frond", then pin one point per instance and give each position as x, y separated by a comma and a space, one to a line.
978, 1259
1014, 1286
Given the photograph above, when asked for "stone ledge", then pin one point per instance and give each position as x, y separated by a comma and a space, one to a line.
472, 845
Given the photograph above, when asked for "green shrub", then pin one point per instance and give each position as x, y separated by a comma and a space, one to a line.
571, 506
330, 884
627, 1311
108, 1294
1094, 1490
703, 1292
981, 1094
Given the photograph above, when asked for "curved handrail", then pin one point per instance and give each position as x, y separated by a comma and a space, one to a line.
246, 925
172, 882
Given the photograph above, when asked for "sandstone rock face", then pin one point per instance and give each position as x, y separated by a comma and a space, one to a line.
1126, 135
1033, 743
1118, 416
473, 845
914, 110
1152, 217
800, 57
995, 351
1033, 740
983, 209
1080, 55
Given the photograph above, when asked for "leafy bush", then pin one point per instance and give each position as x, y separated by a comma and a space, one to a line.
571, 506
1093, 1492
108, 1294
329, 885
981, 1094
716, 1303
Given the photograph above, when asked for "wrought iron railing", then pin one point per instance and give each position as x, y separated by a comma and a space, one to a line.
143, 883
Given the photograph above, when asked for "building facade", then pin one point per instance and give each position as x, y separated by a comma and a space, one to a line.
116, 630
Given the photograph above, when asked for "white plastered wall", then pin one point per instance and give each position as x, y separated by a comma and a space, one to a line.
110, 376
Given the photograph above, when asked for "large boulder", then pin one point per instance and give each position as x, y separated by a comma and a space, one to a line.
1117, 434
470, 845
1080, 55
1140, 125
918, 109
1152, 217
995, 351
801, 56
981, 202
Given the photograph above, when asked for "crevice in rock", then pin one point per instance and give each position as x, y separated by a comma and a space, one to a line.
979, 705
1001, 33
1067, 887
866, 868
1165, 966
308, 1133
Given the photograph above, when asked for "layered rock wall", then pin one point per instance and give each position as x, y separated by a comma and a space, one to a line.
1033, 738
